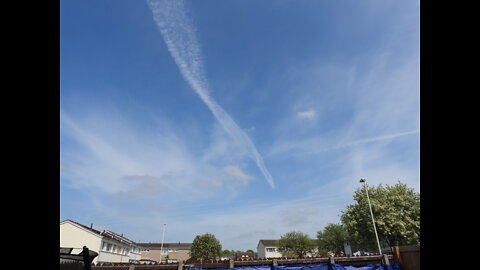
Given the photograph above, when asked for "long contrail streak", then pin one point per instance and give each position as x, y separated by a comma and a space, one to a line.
178, 31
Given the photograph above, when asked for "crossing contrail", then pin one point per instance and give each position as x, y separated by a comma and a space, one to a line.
178, 31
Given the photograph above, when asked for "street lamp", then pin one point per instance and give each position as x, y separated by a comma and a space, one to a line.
161, 246
371, 213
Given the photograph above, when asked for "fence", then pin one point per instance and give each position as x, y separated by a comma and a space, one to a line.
407, 256
71, 265
81, 261
268, 264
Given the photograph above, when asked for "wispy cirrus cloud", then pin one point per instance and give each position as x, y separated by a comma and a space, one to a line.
317, 144
178, 31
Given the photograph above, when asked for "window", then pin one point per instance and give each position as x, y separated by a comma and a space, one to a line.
104, 246
109, 247
270, 249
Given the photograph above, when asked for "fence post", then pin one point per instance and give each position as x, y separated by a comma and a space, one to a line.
274, 262
131, 267
396, 254
331, 262
231, 263
385, 259
86, 259
180, 265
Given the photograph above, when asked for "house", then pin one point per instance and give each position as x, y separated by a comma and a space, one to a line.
171, 252
268, 249
227, 257
245, 256
110, 246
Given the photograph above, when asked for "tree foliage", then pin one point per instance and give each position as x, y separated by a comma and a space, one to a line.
331, 239
227, 252
396, 210
296, 243
205, 247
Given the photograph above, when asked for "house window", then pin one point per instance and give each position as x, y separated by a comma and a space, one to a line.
104, 246
270, 249
109, 247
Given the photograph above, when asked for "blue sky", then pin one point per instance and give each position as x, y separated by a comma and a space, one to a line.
245, 119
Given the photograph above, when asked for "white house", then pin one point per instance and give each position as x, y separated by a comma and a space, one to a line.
268, 249
111, 247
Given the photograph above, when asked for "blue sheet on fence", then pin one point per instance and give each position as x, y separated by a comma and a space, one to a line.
323, 266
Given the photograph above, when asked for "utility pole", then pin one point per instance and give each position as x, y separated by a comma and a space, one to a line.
371, 213
161, 246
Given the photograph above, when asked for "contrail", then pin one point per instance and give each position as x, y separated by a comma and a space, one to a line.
178, 31
375, 139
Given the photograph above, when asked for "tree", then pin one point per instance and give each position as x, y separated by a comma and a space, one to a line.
296, 243
251, 251
331, 239
396, 210
205, 247
227, 253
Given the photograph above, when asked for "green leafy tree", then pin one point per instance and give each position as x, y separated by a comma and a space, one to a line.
396, 210
296, 244
331, 239
205, 247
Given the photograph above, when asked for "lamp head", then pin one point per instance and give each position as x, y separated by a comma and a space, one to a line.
362, 180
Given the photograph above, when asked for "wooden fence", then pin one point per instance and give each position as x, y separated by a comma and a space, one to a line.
71, 265
407, 256
347, 260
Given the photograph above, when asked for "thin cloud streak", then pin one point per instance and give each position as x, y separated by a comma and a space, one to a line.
369, 140
310, 145
178, 32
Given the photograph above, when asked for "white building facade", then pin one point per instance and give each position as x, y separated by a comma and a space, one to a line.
110, 246
268, 249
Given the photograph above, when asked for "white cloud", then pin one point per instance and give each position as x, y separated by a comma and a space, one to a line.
237, 174
306, 114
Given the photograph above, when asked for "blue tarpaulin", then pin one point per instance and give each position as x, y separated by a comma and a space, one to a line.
323, 266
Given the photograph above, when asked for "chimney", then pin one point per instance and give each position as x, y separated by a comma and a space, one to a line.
91, 226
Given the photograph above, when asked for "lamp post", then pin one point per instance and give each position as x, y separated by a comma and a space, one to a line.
161, 246
371, 213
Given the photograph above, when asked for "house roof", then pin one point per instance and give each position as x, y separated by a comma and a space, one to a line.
166, 245
268, 243
105, 233
83, 226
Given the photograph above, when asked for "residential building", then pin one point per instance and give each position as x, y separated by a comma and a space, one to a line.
268, 249
110, 246
171, 252
245, 256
